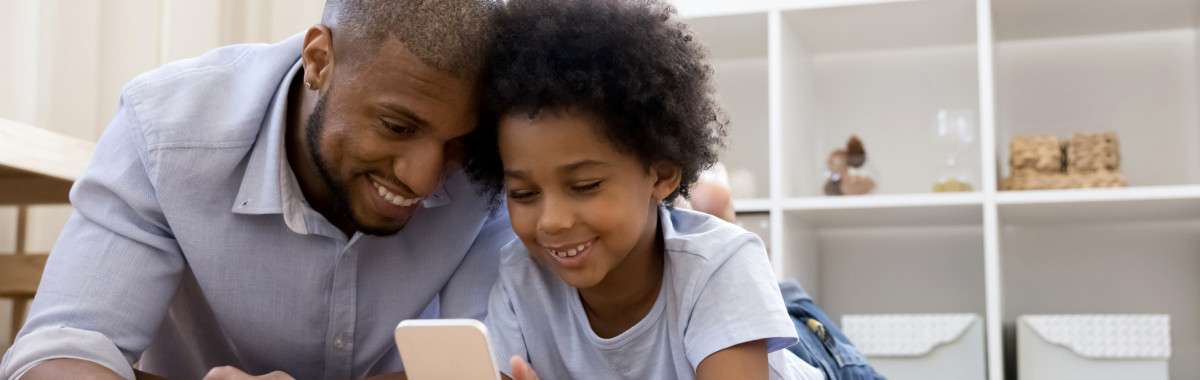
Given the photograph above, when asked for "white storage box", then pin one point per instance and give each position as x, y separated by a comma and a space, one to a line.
920, 346
1094, 347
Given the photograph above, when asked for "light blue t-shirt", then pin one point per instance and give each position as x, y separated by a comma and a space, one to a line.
718, 291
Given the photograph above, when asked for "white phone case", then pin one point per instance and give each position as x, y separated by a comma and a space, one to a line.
446, 349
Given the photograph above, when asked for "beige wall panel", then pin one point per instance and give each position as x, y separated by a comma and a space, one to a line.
8, 230
130, 44
245, 21
18, 71
190, 28
45, 224
289, 17
5, 321
68, 70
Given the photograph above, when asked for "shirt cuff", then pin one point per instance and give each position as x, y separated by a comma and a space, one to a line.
63, 343
778, 333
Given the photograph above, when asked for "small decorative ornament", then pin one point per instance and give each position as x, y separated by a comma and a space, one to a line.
847, 172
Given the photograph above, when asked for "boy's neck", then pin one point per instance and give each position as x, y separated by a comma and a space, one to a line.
628, 292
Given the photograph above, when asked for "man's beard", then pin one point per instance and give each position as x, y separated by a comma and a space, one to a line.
337, 186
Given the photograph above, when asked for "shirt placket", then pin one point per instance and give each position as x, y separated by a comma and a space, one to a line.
339, 356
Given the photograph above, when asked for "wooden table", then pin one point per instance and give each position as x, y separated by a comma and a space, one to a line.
37, 166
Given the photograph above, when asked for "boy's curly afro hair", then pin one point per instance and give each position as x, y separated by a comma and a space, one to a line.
629, 63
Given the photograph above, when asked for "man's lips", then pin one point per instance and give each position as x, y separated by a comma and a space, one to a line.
393, 196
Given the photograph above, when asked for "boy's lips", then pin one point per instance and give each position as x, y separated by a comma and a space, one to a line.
571, 255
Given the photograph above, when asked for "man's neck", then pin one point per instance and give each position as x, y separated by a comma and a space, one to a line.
300, 105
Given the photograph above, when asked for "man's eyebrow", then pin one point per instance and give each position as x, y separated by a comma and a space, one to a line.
407, 113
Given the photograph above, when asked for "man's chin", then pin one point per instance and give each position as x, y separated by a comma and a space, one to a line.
379, 231
380, 228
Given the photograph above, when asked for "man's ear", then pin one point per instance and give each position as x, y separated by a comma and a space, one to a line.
666, 179
317, 57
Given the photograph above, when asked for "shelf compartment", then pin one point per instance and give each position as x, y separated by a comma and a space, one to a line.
1039, 19
738, 46
885, 270
1109, 268
1090, 206
751, 205
944, 209
1121, 66
858, 70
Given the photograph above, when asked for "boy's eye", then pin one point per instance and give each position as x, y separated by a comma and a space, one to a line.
586, 187
517, 195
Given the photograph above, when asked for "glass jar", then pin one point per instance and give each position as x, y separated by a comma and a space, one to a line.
954, 133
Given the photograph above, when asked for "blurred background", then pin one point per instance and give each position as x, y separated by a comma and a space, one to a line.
933, 170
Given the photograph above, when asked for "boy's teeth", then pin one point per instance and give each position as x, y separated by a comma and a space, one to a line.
570, 252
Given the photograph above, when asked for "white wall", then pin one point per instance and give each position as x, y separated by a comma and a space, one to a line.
65, 62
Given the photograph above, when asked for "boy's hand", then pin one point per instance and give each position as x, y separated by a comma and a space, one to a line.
521, 370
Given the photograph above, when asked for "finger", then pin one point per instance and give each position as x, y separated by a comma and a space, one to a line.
521, 370
277, 375
224, 373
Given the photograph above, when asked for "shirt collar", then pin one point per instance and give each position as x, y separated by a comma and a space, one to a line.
269, 186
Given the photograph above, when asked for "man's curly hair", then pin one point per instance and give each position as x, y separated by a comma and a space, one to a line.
629, 63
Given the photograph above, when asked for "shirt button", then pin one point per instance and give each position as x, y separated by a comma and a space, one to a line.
339, 341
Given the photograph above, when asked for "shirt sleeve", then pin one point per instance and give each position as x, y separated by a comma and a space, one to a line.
466, 293
112, 271
504, 329
738, 303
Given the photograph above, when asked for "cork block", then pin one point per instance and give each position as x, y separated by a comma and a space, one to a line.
1088, 153
1035, 154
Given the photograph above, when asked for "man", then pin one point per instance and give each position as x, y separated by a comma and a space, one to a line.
277, 207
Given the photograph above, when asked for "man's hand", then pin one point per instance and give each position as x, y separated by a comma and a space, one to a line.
521, 369
230, 373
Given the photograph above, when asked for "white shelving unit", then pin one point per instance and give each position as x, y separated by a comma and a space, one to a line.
798, 77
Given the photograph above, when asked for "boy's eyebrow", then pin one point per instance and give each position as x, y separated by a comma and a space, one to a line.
516, 174
580, 165
521, 174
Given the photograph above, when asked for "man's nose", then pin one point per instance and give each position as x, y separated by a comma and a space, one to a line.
420, 169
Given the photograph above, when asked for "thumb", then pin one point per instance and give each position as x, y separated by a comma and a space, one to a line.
521, 370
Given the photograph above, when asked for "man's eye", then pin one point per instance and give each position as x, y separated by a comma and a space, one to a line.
397, 129
587, 187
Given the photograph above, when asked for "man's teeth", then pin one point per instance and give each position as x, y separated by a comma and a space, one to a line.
570, 252
395, 199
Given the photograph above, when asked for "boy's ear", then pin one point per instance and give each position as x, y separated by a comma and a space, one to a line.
666, 179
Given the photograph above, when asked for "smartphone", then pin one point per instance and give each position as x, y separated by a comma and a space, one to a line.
446, 349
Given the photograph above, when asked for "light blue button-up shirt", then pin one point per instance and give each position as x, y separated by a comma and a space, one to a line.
192, 246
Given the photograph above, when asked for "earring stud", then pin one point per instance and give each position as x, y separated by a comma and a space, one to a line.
309, 85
